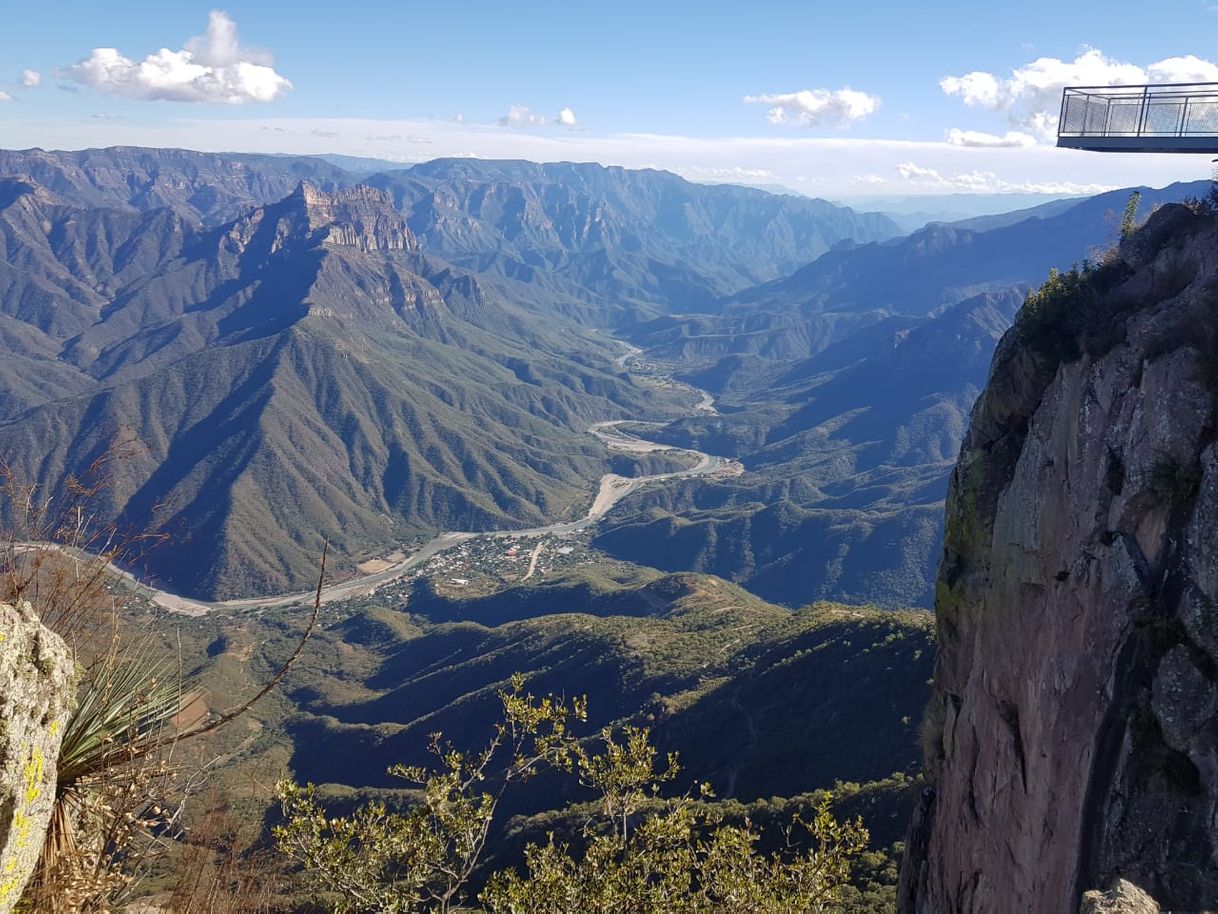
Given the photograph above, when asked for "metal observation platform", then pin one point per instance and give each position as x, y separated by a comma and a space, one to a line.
1166, 117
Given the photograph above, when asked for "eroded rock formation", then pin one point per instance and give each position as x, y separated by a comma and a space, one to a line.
1072, 737
37, 692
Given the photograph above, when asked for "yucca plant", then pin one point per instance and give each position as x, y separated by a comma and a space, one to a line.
120, 791
115, 771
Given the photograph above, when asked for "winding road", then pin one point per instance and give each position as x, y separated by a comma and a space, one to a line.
612, 489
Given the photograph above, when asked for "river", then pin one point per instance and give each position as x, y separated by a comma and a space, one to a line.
611, 490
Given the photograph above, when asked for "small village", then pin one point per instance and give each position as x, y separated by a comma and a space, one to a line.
479, 565
490, 562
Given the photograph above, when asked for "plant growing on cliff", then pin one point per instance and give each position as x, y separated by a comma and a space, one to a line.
1129, 219
1050, 314
1175, 482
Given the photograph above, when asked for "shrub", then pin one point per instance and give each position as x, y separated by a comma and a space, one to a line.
640, 853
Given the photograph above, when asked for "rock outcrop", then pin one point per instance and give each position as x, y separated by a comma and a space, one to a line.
1123, 898
37, 692
1072, 737
359, 217
355, 217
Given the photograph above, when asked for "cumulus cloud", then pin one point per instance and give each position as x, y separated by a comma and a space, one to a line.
211, 68
913, 173
977, 89
522, 116
1012, 139
5, 97
30, 79
1187, 69
1031, 96
816, 107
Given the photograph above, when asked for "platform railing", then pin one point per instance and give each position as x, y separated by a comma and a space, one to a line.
1156, 111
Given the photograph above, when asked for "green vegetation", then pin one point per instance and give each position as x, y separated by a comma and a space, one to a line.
778, 711
377, 861
639, 854
1053, 315
1130, 216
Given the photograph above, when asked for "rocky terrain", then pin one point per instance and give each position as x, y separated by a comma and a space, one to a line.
1070, 739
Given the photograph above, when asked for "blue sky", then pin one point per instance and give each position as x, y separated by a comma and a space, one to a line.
836, 100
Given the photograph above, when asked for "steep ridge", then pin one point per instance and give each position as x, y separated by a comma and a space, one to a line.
1070, 738
303, 372
630, 243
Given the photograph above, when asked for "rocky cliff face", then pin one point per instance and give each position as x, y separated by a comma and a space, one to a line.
1072, 738
355, 217
37, 692
358, 217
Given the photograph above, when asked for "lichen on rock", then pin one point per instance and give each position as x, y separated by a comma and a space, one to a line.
37, 693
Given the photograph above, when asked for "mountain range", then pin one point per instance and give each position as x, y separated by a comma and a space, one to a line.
286, 352
308, 370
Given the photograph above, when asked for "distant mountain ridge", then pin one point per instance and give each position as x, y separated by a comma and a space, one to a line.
642, 237
251, 319
647, 236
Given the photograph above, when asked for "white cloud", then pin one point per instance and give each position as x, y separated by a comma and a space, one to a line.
523, 116
977, 89
1187, 69
1012, 139
1031, 97
5, 97
815, 107
911, 172
734, 174
30, 79
987, 182
520, 116
211, 68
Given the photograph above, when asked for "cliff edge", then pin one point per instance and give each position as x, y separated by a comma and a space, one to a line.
1072, 735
